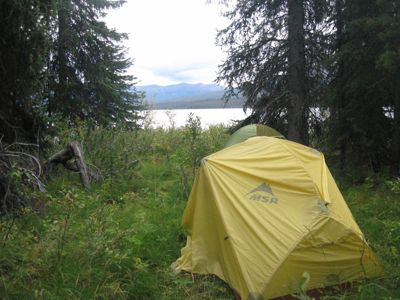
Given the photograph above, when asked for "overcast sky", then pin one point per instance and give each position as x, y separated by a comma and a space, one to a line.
171, 41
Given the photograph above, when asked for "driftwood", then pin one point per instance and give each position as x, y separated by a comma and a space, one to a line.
18, 168
73, 151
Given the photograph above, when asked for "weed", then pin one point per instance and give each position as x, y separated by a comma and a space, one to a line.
394, 185
118, 240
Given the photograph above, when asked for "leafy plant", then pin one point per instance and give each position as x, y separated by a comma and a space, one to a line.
118, 240
303, 283
394, 185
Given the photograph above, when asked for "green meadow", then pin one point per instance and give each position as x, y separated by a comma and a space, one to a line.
119, 239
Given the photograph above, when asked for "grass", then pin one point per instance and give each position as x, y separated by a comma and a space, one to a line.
118, 240
377, 210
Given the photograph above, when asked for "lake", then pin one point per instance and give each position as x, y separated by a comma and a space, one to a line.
178, 117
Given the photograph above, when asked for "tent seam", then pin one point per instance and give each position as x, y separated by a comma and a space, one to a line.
303, 167
364, 243
223, 222
292, 249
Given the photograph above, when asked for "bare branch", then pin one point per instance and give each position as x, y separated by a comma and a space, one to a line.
73, 151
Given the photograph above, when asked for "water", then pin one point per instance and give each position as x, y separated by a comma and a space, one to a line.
178, 117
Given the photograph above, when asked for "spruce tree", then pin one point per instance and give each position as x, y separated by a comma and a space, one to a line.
364, 89
388, 62
88, 66
275, 53
23, 54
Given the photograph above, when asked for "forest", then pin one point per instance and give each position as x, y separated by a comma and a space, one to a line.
324, 73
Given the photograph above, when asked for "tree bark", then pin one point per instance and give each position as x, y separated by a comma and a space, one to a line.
338, 106
297, 110
61, 96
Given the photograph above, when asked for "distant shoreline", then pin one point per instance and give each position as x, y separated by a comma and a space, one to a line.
207, 116
197, 108
188, 96
198, 104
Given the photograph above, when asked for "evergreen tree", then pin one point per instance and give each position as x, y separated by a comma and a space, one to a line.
389, 63
58, 57
88, 66
276, 50
23, 48
364, 86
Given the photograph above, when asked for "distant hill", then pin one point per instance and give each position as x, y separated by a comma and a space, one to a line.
187, 95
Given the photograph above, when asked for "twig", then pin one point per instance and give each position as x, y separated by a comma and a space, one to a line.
19, 154
21, 144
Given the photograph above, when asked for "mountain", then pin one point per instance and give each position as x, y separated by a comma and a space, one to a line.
182, 91
187, 95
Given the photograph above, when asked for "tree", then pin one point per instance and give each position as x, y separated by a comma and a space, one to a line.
389, 62
23, 44
364, 86
58, 58
296, 111
88, 67
276, 50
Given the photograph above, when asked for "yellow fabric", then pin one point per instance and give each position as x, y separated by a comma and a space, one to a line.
264, 211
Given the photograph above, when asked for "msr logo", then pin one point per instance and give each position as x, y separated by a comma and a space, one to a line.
263, 193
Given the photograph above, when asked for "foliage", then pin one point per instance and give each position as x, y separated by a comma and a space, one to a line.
88, 67
362, 91
119, 239
20, 174
58, 59
115, 241
351, 64
302, 295
394, 185
23, 45
260, 59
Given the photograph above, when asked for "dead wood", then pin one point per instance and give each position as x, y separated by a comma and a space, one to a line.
73, 151
20, 172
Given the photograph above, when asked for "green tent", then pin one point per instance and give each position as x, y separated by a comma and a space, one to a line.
252, 130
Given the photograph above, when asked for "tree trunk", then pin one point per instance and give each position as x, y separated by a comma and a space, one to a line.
297, 110
395, 166
61, 96
338, 106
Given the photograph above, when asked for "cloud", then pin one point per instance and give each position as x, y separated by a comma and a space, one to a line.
171, 41
189, 74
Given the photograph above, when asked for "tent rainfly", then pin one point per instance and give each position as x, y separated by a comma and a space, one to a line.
263, 212
252, 130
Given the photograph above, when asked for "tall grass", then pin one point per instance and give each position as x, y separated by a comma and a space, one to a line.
118, 240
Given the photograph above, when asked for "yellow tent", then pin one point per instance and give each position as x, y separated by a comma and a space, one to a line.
263, 212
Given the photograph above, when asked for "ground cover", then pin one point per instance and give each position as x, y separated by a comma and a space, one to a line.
118, 240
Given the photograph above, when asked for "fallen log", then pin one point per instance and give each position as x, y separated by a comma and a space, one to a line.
73, 151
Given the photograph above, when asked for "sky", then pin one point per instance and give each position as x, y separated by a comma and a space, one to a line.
171, 41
